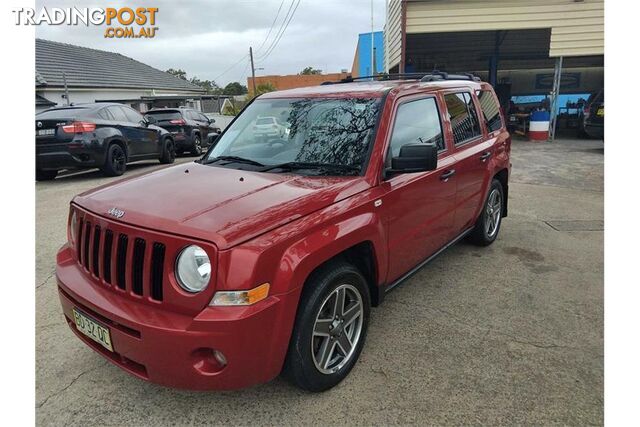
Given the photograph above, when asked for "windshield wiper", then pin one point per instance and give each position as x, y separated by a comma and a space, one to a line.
235, 159
311, 165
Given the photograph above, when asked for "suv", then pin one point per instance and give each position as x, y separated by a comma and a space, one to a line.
188, 127
593, 115
102, 135
273, 266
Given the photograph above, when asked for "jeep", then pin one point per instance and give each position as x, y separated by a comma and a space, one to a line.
272, 265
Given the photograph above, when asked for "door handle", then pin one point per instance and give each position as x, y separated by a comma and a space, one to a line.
485, 156
447, 174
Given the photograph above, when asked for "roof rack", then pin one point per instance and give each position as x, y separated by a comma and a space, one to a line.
423, 77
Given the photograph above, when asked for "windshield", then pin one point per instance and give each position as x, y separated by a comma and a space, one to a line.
319, 131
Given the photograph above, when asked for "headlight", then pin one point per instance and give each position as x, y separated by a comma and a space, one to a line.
193, 269
73, 227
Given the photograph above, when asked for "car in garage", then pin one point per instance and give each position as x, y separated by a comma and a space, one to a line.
191, 129
274, 264
99, 135
593, 115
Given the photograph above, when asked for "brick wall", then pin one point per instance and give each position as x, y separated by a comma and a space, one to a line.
295, 80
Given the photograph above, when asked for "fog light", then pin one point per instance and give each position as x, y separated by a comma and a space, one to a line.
208, 361
220, 357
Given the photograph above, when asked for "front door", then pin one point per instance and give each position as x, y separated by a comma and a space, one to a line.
418, 207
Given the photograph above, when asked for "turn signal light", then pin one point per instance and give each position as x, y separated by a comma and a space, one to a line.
252, 296
79, 127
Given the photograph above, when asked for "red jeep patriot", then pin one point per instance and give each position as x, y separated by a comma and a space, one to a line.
273, 263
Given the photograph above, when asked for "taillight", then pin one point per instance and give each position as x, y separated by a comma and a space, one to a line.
79, 127
178, 122
587, 111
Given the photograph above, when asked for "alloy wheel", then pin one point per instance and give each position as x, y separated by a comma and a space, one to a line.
118, 159
337, 329
493, 212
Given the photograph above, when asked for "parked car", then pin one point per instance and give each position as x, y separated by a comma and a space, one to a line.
274, 263
269, 127
100, 135
593, 115
188, 127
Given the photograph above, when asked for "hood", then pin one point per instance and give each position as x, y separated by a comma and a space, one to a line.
220, 205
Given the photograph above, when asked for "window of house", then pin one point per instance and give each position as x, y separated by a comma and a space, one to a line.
416, 122
463, 117
490, 110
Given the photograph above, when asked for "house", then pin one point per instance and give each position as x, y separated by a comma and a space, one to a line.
92, 75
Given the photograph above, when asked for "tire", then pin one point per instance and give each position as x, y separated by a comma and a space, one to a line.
116, 162
196, 150
168, 152
488, 224
317, 361
48, 175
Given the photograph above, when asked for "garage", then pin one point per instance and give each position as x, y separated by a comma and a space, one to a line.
538, 55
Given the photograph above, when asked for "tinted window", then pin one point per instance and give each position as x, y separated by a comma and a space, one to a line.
203, 117
490, 110
192, 115
462, 115
165, 115
105, 114
132, 115
118, 114
416, 122
61, 113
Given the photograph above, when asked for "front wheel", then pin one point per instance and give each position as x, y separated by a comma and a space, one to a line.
487, 226
330, 329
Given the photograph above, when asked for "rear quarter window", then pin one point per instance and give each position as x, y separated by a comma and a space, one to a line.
463, 117
490, 110
165, 115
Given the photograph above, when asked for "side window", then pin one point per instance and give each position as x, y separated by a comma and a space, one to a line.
104, 114
192, 115
416, 122
132, 115
117, 113
203, 117
490, 110
462, 114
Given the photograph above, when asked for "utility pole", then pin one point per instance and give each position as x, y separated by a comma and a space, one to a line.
253, 71
66, 89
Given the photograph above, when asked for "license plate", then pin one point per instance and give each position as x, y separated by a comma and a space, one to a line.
600, 112
92, 329
42, 132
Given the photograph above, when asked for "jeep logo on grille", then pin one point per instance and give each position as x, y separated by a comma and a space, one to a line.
115, 212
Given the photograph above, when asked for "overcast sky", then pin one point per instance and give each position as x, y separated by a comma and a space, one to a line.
205, 38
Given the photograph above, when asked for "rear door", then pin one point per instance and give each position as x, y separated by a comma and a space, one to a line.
472, 152
418, 207
148, 140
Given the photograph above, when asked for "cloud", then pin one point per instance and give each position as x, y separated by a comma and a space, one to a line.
206, 38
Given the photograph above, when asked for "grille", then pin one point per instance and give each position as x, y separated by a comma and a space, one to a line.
119, 260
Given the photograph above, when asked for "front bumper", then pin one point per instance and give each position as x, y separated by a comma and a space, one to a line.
174, 349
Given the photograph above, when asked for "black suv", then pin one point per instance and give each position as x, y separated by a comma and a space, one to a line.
190, 128
593, 115
102, 135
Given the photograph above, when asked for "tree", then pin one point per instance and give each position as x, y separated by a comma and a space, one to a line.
310, 71
181, 74
234, 88
209, 85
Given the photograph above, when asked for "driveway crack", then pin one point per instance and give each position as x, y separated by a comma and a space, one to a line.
73, 381
47, 279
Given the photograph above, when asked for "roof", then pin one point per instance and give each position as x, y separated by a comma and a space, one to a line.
370, 88
85, 67
44, 102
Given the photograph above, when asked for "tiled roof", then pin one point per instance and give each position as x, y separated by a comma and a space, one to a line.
84, 67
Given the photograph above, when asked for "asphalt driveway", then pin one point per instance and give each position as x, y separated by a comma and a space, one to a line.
509, 334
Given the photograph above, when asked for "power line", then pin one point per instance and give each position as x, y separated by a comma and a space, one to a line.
230, 68
279, 36
272, 24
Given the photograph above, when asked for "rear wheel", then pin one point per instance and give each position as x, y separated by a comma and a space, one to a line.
48, 175
168, 152
487, 226
330, 329
116, 161
197, 146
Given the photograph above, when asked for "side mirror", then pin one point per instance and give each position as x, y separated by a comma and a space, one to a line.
415, 158
150, 120
211, 120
